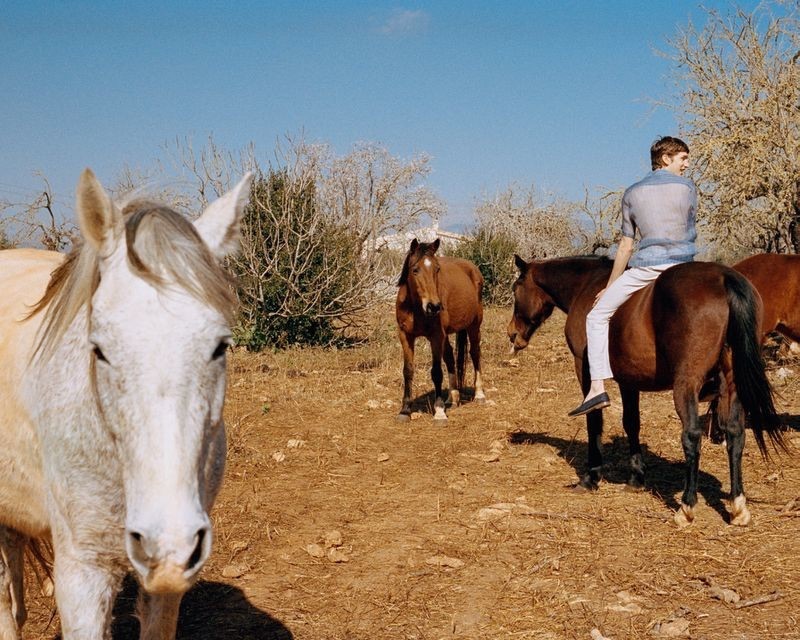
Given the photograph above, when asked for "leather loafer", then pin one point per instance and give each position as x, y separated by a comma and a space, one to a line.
600, 401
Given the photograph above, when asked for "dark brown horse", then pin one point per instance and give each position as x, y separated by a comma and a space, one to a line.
438, 296
777, 279
697, 320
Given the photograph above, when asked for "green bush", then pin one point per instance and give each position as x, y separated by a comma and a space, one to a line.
493, 253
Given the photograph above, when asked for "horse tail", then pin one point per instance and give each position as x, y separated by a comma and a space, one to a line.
461, 357
750, 378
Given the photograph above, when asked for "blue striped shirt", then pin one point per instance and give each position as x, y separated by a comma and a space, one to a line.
662, 207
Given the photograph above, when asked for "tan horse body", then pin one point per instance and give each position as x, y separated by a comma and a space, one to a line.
438, 296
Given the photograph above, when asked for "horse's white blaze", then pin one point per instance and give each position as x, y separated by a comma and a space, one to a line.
427, 262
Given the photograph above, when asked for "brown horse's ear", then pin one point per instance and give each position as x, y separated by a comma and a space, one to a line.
435, 245
414, 245
521, 264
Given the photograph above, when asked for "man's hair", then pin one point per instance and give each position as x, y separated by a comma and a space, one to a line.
666, 145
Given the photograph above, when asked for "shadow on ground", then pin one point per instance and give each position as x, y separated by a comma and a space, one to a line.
663, 478
210, 610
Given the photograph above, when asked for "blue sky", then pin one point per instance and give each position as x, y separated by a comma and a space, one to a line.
551, 93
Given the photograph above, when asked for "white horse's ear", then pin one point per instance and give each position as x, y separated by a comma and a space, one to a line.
219, 225
98, 218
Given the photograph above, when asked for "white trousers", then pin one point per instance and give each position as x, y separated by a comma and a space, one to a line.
599, 317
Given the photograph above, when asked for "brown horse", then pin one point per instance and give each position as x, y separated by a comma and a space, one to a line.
438, 296
697, 320
777, 279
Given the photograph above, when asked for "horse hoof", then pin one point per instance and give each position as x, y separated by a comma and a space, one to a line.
740, 514
402, 417
584, 486
684, 516
635, 486
480, 400
440, 420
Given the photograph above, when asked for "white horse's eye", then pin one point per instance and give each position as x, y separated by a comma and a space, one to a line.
98, 353
222, 347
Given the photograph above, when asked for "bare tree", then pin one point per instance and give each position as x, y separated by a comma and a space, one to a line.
310, 265
738, 81
542, 224
36, 221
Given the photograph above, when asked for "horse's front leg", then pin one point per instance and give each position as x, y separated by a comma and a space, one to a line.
85, 592
437, 347
12, 591
631, 422
594, 430
686, 400
407, 343
158, 615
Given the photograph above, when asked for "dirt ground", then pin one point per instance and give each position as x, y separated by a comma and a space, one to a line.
336, 522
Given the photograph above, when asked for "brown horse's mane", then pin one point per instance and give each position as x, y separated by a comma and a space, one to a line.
424, 248
163, 248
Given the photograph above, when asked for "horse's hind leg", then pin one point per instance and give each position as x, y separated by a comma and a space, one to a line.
731, 420
158, 615
685, 398
474, 334
452, 373
631, 422
12, 588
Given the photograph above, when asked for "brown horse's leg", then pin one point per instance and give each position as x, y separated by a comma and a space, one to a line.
437, 346
685, 398
461, 358
407, 343
452, 378
631, 422
731, 421
474, 334
594, 430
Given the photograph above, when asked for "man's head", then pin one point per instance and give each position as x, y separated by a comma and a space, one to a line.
671, 154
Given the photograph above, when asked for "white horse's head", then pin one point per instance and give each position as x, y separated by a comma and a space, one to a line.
159, 328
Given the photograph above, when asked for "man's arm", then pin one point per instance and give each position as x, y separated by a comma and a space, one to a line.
624, 251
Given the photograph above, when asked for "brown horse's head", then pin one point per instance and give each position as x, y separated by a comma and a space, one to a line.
532, 305
421, 275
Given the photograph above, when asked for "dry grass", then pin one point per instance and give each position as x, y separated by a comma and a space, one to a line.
555, 565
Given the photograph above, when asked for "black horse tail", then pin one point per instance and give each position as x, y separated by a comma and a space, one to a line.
750, 378
461, 357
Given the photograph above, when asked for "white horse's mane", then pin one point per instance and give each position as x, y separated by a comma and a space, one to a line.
163, 248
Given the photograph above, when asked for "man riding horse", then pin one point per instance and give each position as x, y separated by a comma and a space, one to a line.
662, 208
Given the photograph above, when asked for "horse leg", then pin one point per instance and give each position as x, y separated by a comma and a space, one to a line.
631, 422
437, 346
12, 587
158, 615
685, 399
452, 376
85, 592
594, 431
461, 357
474, 334
407, 343
731, 420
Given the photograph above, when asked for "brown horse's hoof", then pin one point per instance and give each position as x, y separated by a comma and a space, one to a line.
402, 417
440, 420
480, 400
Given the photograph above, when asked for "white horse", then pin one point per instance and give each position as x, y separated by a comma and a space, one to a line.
112, 382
